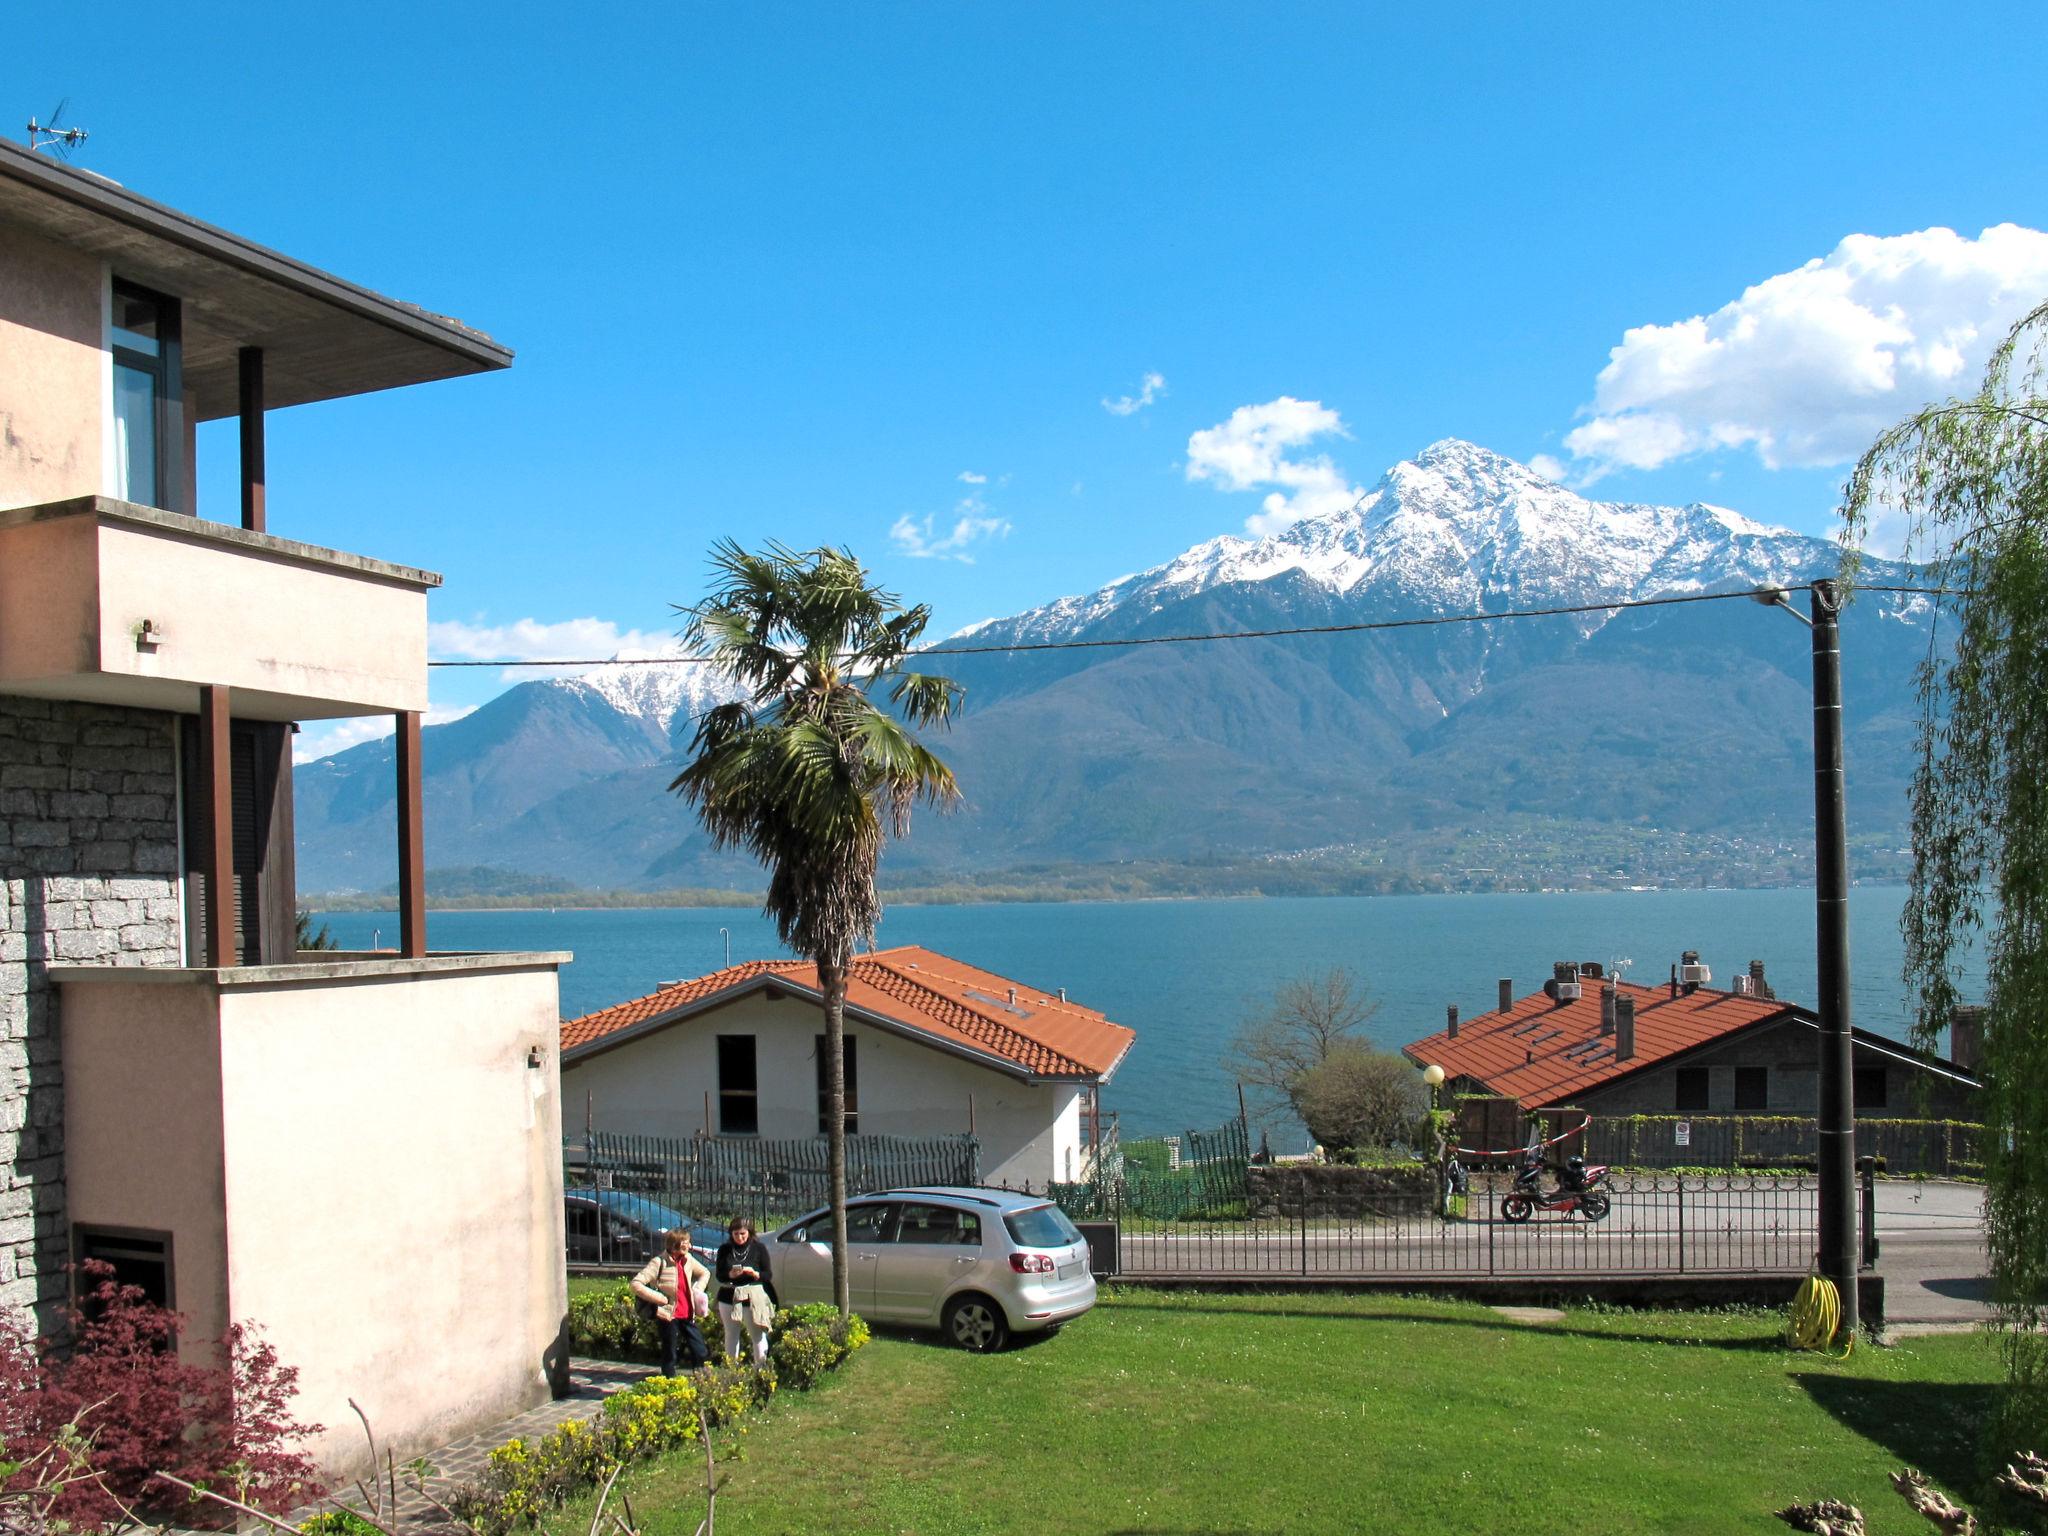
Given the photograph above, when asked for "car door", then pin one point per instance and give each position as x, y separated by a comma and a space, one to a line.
803, 1255
936, 1252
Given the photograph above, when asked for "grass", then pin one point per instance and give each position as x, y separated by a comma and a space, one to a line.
1184, 1412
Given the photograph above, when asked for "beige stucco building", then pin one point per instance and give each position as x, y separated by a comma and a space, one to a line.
934, 1047
330, 1146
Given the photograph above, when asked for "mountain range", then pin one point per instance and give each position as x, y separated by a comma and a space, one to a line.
1612, 746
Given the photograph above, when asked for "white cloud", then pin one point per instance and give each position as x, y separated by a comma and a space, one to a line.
1251, 451
1150, 388
1807, 367
972, 523
969, 477
1549, 466
324, 738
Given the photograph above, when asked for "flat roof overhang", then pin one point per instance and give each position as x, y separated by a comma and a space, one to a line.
322, 337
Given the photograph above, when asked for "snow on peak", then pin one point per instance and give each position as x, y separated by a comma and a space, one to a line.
1746, 527
661, 687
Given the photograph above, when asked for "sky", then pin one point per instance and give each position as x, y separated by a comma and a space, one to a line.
1015, 299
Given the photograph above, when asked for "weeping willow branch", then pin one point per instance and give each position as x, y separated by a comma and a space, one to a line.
1969, 479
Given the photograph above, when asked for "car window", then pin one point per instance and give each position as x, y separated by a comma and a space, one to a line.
938, 1224
814, 1228
1042, 1226
582, 1221
869, 1223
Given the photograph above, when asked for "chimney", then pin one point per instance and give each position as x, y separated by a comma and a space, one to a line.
1451, 1014
1758, 987
1966, 1037
1607, 997
1063, 994
1624, 1029
1674, 981
1507, 994
1592, 969
1013, 997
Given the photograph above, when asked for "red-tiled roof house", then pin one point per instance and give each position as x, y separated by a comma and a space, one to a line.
933, 1047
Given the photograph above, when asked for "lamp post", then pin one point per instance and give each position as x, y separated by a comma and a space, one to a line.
1434, 1076
1837, 1110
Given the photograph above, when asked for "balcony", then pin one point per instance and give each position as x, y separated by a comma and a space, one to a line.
109, 602
233, 1121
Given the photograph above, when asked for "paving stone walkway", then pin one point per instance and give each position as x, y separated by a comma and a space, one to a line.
462, 1461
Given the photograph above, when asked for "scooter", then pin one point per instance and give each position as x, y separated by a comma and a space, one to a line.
1578, 1189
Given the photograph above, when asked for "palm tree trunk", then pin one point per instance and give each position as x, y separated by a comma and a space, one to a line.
832, 976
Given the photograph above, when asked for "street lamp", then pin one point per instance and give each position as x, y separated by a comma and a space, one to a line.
1837, 1113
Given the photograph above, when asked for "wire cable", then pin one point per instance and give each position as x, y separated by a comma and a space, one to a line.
1429, 621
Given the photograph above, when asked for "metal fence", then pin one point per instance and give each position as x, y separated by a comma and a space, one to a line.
714, 1178
1659, 1224
1196, 1175
1942, 1148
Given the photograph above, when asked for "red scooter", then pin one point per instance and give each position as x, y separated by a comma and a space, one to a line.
1578, 1189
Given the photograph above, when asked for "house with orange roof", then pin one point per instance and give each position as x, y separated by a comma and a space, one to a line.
933, 1046
1608, 1046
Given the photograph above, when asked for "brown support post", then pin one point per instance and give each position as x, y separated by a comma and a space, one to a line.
217, 855
412, 856
251, 400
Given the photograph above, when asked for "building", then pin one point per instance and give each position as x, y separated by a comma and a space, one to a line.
331, 1146
933, 1046
1613, 1047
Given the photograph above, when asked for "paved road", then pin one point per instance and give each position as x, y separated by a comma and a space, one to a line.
1931, 1237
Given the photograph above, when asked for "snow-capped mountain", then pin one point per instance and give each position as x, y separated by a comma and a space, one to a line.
1458, 528
1599, 729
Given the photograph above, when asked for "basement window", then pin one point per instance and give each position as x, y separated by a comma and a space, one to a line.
1692, 1090
139, 1258
739, 1099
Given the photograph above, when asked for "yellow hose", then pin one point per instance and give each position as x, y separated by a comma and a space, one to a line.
1817, 1317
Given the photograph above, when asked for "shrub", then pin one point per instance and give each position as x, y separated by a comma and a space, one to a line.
141, 1411
1356, 1097
524, 1481
338, 1522
605, 1325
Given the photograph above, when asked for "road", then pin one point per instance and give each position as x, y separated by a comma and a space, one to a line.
1931, 1238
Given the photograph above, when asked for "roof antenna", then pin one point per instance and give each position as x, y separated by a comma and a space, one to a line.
65, 141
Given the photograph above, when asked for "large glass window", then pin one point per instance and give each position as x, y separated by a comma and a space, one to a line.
148, 420
852, 1088
739, 1101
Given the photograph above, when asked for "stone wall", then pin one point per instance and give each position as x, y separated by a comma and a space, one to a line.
88, 874
1331, 1189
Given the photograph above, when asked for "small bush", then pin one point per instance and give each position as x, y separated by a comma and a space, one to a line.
605, 1326
338, 1522
525, 1481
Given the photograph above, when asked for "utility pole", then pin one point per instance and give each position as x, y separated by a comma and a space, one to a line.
1837, 1124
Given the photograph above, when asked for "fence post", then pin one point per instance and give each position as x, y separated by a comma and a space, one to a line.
1866, 1170
1681, 1223
1491, 1220
1301, 1184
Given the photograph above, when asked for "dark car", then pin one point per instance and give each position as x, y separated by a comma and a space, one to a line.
616, 1226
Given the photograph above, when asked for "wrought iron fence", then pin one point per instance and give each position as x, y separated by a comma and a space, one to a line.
714, 1178
1657, 1224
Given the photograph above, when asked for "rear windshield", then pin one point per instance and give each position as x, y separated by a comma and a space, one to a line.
1043, 1226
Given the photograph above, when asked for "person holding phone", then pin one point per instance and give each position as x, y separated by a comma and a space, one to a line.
746, 1290
672, 1287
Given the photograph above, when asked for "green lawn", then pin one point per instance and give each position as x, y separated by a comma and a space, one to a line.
1170, 1411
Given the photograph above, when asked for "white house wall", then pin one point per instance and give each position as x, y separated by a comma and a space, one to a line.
655, 1085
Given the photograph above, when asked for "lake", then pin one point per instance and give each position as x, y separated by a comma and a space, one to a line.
1184, 974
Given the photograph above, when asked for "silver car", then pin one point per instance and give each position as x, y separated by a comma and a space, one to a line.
977, 1264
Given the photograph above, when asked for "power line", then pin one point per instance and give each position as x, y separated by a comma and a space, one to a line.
1363, 626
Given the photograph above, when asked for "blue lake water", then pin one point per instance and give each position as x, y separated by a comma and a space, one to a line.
1185, 974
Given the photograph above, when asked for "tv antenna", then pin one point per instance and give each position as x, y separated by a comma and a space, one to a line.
64, 142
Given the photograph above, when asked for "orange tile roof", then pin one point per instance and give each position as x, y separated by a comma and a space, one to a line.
918, 989
1540, 1053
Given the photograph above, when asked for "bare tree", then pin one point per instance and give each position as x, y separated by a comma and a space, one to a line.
1310, 1018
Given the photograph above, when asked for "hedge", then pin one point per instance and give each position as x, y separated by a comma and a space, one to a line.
524, 1481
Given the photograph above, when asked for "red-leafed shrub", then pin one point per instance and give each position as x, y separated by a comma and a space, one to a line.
141, 1411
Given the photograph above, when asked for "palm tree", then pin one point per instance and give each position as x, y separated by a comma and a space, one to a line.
809, 773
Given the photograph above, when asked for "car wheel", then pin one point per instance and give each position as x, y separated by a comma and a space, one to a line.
976, 1324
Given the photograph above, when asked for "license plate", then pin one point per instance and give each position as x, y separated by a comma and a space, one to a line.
1068, 1271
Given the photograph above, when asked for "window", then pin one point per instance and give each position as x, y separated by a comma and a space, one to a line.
139, 1258
260, 821
939, 1224
1042, 1226
1692, 1088
148, 416
739, 1103
1869, 1086
1752, 1089
865, 1224
852, 1087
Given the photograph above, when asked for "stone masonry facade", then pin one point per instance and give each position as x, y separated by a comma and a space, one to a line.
89, 874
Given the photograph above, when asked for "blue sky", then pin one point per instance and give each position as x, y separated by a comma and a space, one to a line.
794, 271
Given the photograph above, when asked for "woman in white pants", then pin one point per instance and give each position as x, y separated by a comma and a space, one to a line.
746, 1290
